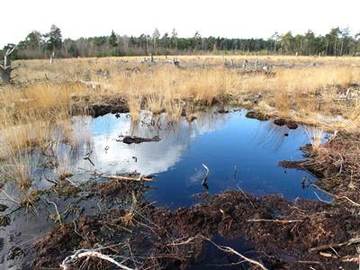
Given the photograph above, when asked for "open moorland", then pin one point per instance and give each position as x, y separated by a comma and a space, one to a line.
165, 162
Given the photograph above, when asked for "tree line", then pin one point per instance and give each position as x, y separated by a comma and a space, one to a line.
337, 42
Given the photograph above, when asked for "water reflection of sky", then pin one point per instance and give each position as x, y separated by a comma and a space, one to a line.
240, 153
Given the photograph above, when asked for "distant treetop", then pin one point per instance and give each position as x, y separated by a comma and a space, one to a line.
337, 42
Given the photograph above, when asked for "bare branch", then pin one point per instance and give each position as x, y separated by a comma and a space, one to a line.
222, 248
233, 251
10, 51
57, 211
204, 182
129, 178
65, 265
283, 221
352, 241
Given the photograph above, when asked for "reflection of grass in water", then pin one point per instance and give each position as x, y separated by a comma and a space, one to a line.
28, 115
269, 134
18, 171
315, 136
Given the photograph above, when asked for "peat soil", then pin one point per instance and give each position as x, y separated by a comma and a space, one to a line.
337, 164
282, 235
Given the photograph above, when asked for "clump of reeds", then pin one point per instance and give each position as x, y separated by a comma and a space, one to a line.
18, 169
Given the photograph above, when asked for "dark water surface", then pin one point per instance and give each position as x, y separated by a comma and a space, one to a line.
240, 153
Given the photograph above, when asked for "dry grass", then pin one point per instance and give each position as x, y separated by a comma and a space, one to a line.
29, 114
163, 86
292, 92
42, 97
28, 117
18, 170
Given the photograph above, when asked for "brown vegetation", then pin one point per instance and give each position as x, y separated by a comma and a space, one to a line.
282, 235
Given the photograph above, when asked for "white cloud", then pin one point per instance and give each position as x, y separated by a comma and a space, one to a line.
152, 157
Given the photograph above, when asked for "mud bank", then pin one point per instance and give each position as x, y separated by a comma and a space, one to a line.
337, 164
83, 105
113, 104
283, 235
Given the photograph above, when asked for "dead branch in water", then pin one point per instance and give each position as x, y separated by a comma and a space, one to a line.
204, 182
320, 199
65, 265
87, 157
58, 215
233, 251
342, 197
10, 198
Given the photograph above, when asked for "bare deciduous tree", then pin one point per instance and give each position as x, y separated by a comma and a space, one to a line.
5, 68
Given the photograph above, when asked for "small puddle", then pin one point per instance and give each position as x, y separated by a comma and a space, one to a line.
240, 153
213, 258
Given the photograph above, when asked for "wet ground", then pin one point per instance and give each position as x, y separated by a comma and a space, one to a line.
241, 154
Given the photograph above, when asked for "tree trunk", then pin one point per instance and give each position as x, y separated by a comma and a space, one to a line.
6, 69
5, 75
52, 56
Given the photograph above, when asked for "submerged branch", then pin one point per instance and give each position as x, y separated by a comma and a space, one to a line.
222, 248
204, 182
233, 251
341, 197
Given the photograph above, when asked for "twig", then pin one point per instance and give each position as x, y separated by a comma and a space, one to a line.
57, 211
128, 178
71, 182
50, 181
337, 196
233, 251
88, 159
10, 198
354, 259
222, 248
90, 253
352, 241
204, 182
246, 196
321, 200
187, 241
283, 221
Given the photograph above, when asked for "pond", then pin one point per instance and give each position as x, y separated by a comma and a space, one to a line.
240, 153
